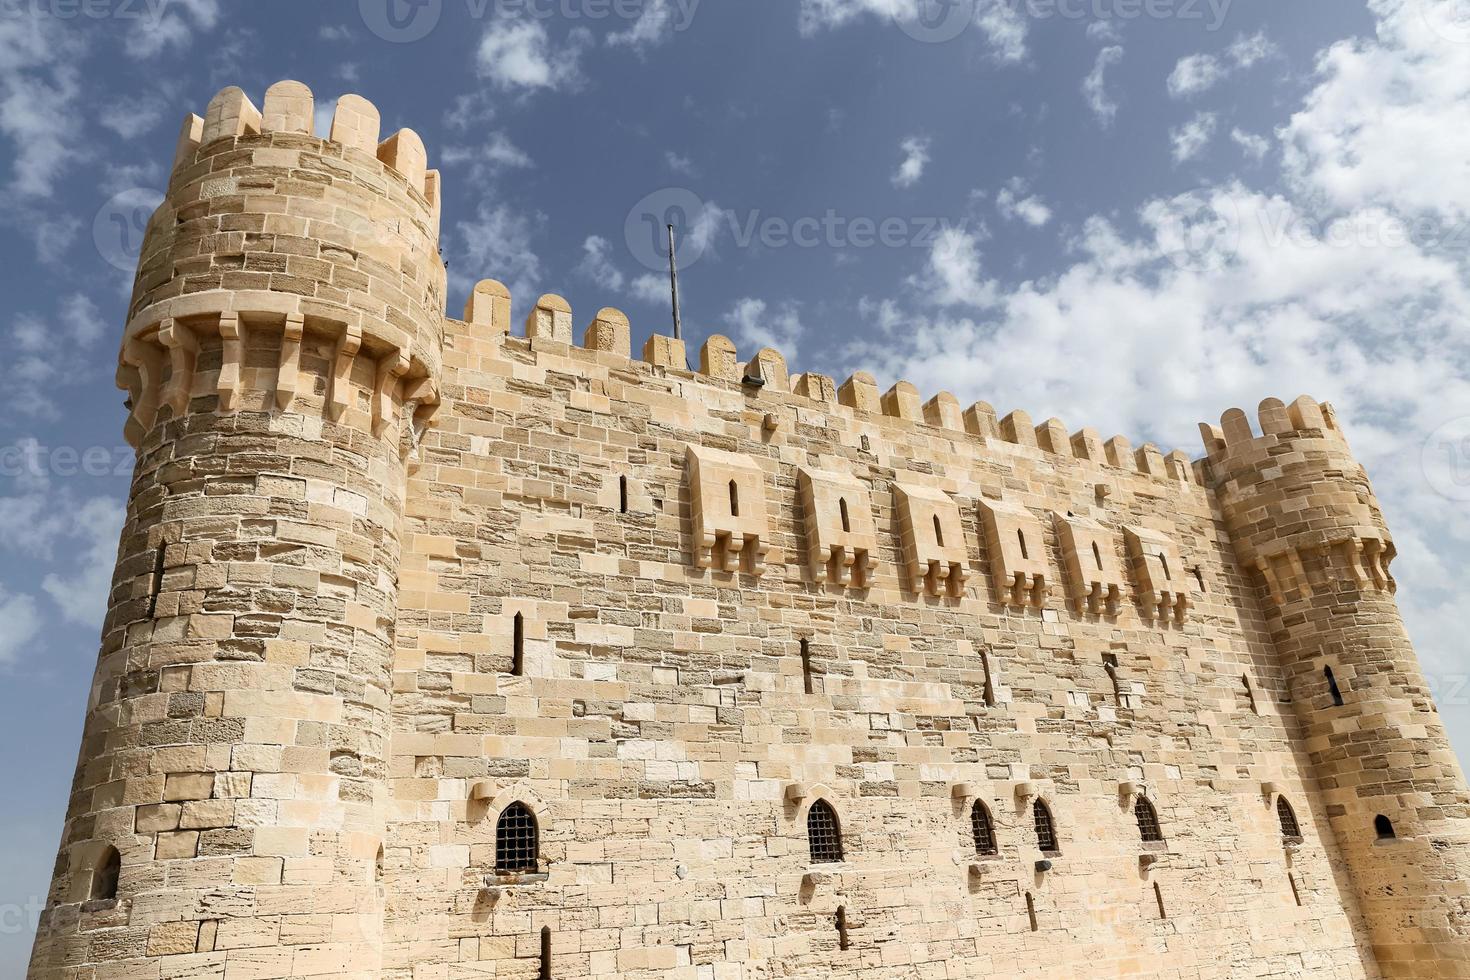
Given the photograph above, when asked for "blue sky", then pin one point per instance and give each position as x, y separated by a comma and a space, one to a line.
1131, 214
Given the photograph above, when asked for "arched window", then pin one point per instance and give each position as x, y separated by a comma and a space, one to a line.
734, 499
1332, 687
1290, 829
1148, 821
106, 875
983, 831
1046, 828
516, 839
823, 834
1384, 827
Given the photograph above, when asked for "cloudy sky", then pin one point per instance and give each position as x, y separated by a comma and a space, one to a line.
1131, 214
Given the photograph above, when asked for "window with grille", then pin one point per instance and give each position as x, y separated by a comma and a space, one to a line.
1046, 830
515, 841
1148, 821
983, 830
1289, 827
823, 835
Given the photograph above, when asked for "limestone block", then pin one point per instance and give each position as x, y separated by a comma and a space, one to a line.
665, 352
770, 367
1016, 545
727, 497
1095, 576
933, 538
550, 319
356, 123
817, 387
288, 108
608, 333
489, 306
718, 359
842, 541
860, 392
1158, 571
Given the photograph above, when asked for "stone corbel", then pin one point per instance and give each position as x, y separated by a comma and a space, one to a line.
390, 369
288, 372
232, 355
347, 348
147, 359
183, 349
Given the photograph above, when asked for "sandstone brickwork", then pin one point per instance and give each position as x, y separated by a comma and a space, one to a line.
437, 652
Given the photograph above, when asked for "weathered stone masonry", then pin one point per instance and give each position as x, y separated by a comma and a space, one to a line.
436, 652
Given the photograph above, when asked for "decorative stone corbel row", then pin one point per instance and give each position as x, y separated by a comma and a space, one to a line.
1360, 560
399, 378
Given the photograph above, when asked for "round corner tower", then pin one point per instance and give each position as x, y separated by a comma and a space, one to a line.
281, 356
1304, 519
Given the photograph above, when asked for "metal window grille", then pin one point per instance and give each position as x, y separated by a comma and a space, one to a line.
1289, 825
983, 830
1148, 821
515, 841
822, 833
1046, 831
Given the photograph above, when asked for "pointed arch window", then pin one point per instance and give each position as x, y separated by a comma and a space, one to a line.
516, 840
1148, 821
1046, 828
982, 828
1291, 829
823, 833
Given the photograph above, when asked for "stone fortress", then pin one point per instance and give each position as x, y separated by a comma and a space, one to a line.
440, 651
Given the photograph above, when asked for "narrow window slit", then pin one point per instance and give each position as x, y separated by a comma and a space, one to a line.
1384, 828
1250, 694
1164, 561
1021, 536
156, 586
105, 878
842, 507
1199, 576
518, 647
1337, 699
938, 532
622, 494
989, 694
546, 953
1296, 893
842, 940
1159, 898
1031, 912
806, 666
1097, 555
734, 499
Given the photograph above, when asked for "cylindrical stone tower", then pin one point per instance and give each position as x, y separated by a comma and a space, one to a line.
1303, 516
282, 354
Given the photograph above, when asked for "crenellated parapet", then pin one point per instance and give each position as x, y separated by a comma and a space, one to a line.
1308, 519
290, 272
718, 360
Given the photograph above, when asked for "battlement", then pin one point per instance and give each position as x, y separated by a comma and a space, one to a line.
1234, 438
290, 107
489, 306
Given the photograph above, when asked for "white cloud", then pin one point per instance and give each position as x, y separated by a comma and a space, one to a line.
754, 325
1094, 86
39, 94
916, 157
651, 288
1015, 203
39, 374
954, 276
149, 36
679, 164
497, 245
596, 265
20, 623
1253, 146
1191, 138
1198, 73
81, 596
520, 54
999, 23
485, 161
1195, 74
1387, 125
654, 25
